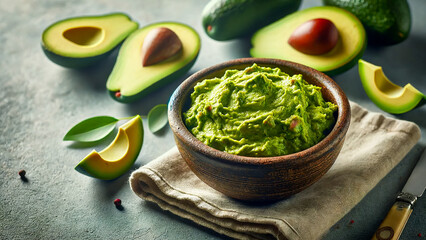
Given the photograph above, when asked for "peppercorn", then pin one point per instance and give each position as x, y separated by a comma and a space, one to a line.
117, 202
22, 173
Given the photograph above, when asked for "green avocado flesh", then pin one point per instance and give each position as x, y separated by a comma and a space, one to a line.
384, 93
386, 21
259, 111
132, 80
83, 41
230, 19
272, 40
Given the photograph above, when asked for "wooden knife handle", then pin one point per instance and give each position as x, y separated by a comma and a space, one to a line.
394, 222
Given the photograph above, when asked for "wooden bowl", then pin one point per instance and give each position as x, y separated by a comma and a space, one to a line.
259, 178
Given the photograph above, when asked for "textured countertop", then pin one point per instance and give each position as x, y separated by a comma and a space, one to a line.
40, 101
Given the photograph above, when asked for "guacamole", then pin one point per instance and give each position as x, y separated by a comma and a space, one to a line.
259, 111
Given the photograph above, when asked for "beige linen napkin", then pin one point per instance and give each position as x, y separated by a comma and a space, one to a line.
373, 146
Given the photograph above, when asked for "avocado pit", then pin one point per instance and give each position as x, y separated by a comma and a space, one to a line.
315, 37
160, 44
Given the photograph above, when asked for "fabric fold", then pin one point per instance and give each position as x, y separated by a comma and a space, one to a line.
374, 145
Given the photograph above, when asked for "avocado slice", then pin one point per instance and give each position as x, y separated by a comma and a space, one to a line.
384, 93
82, 41
272, 40
130, 80
119, 156
387, 22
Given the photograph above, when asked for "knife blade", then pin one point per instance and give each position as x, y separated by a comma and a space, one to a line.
394, 222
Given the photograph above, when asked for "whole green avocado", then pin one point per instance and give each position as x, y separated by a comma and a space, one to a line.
229, 19
386, 22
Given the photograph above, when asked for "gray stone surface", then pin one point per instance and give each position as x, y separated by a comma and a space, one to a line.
40, 101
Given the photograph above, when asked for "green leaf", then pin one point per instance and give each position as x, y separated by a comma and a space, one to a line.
91, 129
157, 117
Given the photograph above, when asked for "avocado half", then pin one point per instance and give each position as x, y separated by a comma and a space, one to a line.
271, 41
384, 93
82, 41
129, 80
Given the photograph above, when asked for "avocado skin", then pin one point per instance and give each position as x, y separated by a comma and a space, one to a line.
70, 62
394, 17
153, 87
230, 19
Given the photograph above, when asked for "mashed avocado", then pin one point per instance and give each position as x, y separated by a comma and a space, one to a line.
259, 111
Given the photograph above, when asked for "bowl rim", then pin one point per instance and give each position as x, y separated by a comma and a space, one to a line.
336, 134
